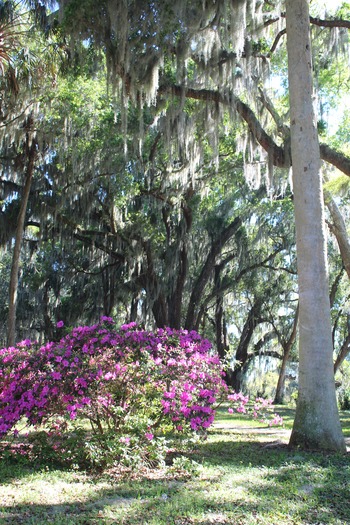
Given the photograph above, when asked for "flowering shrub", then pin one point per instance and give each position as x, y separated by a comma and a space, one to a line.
133, 386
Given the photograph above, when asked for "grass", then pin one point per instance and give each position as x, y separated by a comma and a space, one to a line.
246, 476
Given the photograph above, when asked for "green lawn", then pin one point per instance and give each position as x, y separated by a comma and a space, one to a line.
245, 475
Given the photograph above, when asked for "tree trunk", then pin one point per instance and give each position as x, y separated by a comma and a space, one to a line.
338, 228
150, 283
343, 352
49, 331
13, 289
206, 272
287, 347
221, 335
316, 423
175, 300
108, 279
236, 377
220, 332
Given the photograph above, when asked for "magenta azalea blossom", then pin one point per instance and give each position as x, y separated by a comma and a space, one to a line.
132, 384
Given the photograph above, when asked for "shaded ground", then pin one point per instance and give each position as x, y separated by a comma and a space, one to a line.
244, 475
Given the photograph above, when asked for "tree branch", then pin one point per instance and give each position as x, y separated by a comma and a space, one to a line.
244, 111
280, 155
333, 22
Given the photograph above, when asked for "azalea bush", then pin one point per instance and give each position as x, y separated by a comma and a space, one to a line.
136, 388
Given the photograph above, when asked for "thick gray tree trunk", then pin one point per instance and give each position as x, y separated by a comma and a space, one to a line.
316, 422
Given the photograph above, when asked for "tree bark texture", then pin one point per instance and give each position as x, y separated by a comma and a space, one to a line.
316, 424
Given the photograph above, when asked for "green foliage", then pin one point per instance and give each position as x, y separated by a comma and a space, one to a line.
343, 11
338, 185
240, 474
343, 391
344, 399
118, 208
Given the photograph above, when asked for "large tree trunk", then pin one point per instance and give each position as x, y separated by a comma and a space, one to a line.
316, 423
13, 288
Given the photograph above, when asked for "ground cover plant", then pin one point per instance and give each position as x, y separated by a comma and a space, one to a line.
231, 470
141, 392
242, 474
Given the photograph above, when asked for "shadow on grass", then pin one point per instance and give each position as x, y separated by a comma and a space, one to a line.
242, 483
15, 470
313, 487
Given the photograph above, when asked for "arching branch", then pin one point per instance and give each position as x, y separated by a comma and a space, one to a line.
244, 111
277, 39
279, 155
336, 158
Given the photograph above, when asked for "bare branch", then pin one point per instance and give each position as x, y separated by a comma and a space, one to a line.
335, 22
277, 39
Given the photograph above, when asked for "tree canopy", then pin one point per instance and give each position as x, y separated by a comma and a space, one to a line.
158, 143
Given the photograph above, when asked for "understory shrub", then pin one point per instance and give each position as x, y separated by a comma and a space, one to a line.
137, 390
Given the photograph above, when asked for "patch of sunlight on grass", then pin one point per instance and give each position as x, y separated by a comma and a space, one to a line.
246, 476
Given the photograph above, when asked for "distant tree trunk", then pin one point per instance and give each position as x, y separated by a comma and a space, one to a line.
338, 228
13, 288
149, 281
108, 278
345, 346
287, 347
49, 331
316, 423
344, 350
192, 321
253, 319
134, 308
160, 311
220, 324
220, 331
175, 300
